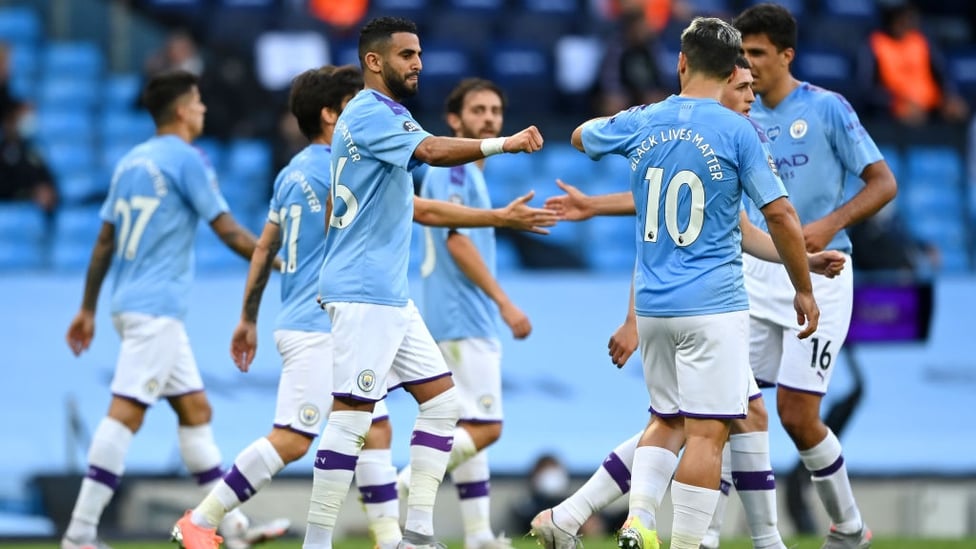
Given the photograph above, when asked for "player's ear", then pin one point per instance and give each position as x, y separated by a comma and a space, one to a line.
682, 62
789, 54
454, 121
372, 62
328, 116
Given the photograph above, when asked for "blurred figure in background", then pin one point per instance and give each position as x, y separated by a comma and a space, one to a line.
178, 53
23, 172
6, 96
903, 73
629, 73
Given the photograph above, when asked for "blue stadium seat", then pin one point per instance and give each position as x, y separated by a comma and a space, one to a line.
66, 158
15, 255
81, 59
610, 259
22, 222
445, 64
23, 60
121, 91
796, 7
411, 9
60, 125
129, 126
19, 25
250, 158
954, 260
213, 152
610, 245
60, 92
508, 176
75, 231
524, 71
562, 161
962, 67
111, 153
825, 67
82, 186
211, 254
492, 5
711, 7
893, 157
938, 163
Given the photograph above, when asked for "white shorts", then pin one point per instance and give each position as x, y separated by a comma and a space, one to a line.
776, 355
697, 366
476, 366
155, 359
305, 386
379, 348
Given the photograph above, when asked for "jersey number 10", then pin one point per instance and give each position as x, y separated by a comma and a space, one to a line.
654, 178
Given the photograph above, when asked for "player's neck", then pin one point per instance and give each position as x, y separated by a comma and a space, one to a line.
700, 87
381, 87
178, 130
778, 93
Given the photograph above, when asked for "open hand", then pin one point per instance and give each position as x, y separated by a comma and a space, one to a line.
520, 216
572, 206
244, 345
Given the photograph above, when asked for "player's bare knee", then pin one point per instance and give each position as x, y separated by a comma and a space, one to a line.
380, 435
422, 392
192, 409
757, 418
127, 412
483, 434
290, 445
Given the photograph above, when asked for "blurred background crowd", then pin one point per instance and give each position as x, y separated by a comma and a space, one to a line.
70, 74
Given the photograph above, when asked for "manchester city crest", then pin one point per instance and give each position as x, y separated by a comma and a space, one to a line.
798, 128
308, 414
366, 380
487, 402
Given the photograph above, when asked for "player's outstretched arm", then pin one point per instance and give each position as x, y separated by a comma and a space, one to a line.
757, 243
785, 230
244, 342
454, 151
576, 205
517, 215
467, 258
81, 331
879, 189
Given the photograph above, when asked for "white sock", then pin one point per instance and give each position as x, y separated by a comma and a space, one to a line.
693, 510
252, 471
376, 478
756, 486
430, 448
651, 472
335, 464
106, 463
202, 459
471, 479
608, 483
714, 532
462, 450
829, 474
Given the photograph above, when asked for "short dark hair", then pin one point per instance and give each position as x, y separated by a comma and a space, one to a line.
316, 89
711, 45
773, 20
377, 32
455, 100
164, 90
742, 62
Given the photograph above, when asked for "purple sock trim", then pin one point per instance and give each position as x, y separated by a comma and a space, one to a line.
327, 460
420, 438
618, 472
468, 490
830, 469
103, 476
210, 475
378, 494
746, 481
724, 486
239, 484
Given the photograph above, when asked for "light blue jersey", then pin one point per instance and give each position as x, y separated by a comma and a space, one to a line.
454, 307
816, 138
297, 206
367, 248
159, 192
690, 160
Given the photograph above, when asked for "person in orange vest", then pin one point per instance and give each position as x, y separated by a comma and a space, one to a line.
904, 73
